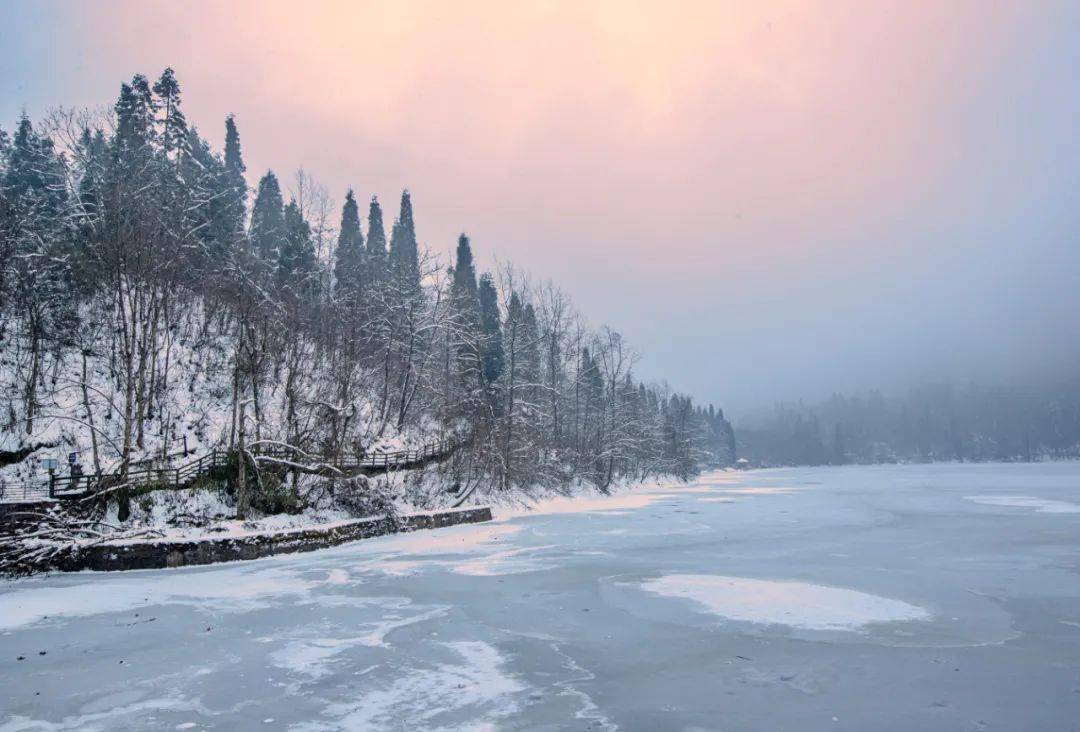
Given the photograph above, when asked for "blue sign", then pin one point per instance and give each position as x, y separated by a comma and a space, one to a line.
73, 457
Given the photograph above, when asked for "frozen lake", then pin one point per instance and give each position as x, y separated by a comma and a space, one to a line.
860, 598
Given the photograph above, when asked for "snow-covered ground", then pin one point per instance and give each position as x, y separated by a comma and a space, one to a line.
907, 597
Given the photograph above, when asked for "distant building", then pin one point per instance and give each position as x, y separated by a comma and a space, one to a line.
742, 464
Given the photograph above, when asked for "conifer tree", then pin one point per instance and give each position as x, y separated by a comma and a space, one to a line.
404, 253
173, 125
296, 262
465, 319
234, 182
349, 255
376, 243
32, 173
268, 219
34, 268
464, 286
207, 208
530, 362
135, 110
491, 344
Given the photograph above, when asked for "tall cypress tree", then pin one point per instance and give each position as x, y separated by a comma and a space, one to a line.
235, 184
376, 243
268, 219
349, 255
466, 315
296, 261
404, 253
464, 285
491, 346
530, 363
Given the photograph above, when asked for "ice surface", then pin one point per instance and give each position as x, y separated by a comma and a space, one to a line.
849, 598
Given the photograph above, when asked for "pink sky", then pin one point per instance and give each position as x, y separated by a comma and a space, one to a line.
752, 169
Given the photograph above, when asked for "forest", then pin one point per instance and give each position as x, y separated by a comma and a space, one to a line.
152, 301
934, 422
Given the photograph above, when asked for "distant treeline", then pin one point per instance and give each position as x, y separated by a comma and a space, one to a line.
931, 423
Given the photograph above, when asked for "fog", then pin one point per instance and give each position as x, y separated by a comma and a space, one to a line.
772, 203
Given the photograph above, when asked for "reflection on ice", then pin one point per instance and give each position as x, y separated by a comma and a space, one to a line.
797, 604
614, 504
757, 491
451, 540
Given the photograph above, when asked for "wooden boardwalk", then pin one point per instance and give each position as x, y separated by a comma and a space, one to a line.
145, 474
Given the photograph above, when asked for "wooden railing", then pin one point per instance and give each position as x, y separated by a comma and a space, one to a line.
24, 492
376, 462
182, 476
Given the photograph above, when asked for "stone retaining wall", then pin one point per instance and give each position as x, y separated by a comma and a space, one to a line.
161, 554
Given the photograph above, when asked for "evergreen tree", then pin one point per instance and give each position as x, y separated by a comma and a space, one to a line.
268, 219
135, 112
349, 255
376, 243
590, 418
296, 262
234, 182
173, 125
464, 284
207, 211
491, 344
465, 323
530, 361
33, 176
34, 271
404, 253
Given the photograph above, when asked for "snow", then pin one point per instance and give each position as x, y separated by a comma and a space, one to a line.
197, 408
475, 682
797, 604
880, 596
1042, 505
238, 589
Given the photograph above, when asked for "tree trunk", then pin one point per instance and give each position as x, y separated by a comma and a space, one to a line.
90, 417
241, 471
